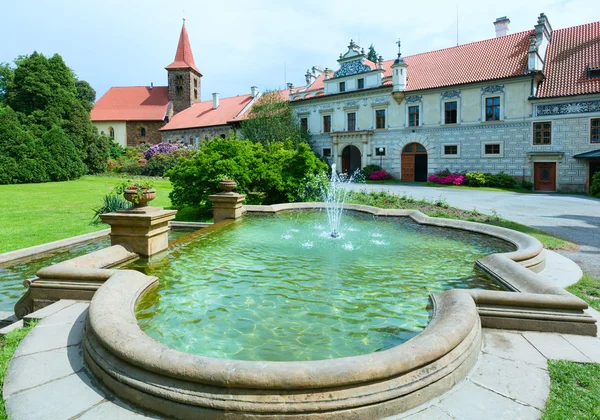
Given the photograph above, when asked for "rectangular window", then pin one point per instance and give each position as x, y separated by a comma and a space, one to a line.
492, 109
327, 152
450, 112
542, 133
595, 130
352, 121
413, 116
304, 124
361, 83
342, 86
492, 149
452, 150
326, 123
380, 118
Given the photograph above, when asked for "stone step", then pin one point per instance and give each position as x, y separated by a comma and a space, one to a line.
12, 327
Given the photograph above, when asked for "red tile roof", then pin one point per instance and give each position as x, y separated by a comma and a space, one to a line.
132, 103
202, 114
570, 53
184, 59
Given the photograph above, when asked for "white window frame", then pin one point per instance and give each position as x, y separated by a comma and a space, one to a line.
590, 130
456, 99
492, 155
407, 115
443, 151
492, 95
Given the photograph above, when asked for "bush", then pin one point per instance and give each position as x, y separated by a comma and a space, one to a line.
272, 177
161, 163
132, 167
446, 177
63, 162
368, 170
115, 150
499, 180
160, 148
476, 179
379, 176
595, 185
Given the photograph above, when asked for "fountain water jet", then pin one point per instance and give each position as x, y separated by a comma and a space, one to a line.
334, 194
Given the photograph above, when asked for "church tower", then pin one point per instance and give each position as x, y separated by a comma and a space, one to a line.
184, 76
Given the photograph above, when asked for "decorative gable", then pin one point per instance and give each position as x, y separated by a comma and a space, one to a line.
353, 62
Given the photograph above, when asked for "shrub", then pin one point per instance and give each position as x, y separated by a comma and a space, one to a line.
131, 167
160, 148
271, 177
527, 185
503, 180
475, 179
499, 180
161, 163
110, 204
446, 177
595, 185
115, 150
379, 176
63, 162
369, 169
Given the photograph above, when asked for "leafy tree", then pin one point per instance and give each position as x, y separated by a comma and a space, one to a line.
372, 54
272, 119
6, 75
86, 94
63, 162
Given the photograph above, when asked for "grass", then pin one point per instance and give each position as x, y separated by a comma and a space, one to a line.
574, 391
456, 187
8, 345
588, 289
33, 214
440, 208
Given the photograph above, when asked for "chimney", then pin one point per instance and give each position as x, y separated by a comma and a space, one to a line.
380, 63
501, 25
151, 85
215, 100
254, 91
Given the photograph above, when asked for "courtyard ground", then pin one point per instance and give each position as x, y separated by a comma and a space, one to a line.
573, 217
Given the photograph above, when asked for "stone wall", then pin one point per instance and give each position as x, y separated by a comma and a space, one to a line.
189, 136
152, 133
191, 91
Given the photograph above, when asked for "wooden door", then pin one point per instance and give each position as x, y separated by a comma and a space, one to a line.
544, 176
408, 167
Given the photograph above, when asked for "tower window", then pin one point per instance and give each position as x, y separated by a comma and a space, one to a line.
195, 93
195, 83
179, 85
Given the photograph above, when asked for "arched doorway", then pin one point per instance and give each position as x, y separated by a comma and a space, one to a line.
414, 163
350, 159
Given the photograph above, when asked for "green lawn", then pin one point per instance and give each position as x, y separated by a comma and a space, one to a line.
588, 289
574, 391
8, 345
451, 186
33, 214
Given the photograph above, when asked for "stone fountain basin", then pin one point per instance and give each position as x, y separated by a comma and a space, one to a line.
181, 385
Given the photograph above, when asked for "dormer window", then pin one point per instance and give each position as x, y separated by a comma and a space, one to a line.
342, 86
593, 72
361, 83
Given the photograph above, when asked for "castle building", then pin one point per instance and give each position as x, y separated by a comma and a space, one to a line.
134, 115
526, 104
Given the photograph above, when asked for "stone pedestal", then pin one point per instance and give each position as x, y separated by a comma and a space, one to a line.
227, 205
145, 229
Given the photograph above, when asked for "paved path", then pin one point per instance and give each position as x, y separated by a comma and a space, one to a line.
574, 217
47, 378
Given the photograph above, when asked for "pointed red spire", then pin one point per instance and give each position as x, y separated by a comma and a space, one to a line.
184, 58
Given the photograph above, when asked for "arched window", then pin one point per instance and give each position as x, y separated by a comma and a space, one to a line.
111, 132
179, 85
142, 131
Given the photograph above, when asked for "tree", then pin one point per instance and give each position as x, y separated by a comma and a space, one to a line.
86, 94
64, 162
372, 54
6, 75
272, 119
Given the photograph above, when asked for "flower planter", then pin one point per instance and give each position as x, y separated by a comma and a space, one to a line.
227, 185
139, 199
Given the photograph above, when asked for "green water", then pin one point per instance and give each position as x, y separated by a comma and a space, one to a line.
276, 288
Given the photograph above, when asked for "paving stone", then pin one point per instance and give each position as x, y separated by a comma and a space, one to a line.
473, 402
517, 380
61, 399
12, 327
431, 413
49, 310
73, 313
36, 369
560, 270
114, 410
512, 346
554, 347
44, 338
589, 346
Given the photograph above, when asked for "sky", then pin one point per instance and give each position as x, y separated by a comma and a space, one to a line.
264, 43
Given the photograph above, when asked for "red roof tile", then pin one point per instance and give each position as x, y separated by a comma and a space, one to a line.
184, 59
132, 103
202, 114
570, 53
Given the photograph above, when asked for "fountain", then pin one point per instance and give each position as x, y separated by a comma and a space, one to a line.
334, 194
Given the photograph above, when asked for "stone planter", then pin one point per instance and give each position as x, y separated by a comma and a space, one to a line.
227, 185
139, 200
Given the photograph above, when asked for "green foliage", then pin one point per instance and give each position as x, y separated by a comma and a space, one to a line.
526, 185
595, 185
6, 75
372, 54
369, 169
86, 94
110, 204
574, 391
272, 119
63, 162
499, 180
98, 153
160, 163
588, 289
266, 177
115, 150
